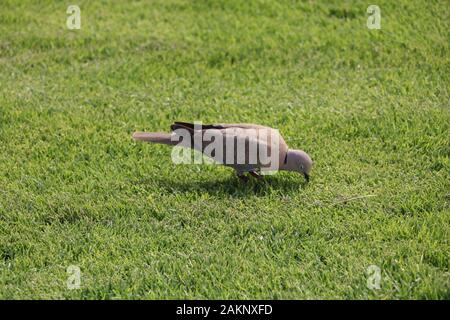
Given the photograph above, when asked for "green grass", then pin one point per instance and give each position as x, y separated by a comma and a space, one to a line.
370, 106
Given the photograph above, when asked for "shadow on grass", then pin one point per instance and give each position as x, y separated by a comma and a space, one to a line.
232, 186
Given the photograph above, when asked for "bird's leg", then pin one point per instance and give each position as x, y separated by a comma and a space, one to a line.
242, 177
255, 174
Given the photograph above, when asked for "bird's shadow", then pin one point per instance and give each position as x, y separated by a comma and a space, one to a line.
233, 186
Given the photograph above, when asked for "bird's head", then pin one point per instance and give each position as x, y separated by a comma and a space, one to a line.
299, 161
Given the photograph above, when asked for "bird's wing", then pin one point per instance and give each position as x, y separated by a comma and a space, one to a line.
253, 148
219, 126
259, 135
240, 125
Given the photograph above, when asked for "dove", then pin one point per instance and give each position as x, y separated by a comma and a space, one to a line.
245, 147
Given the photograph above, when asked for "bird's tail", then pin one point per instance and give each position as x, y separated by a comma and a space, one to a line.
155, 137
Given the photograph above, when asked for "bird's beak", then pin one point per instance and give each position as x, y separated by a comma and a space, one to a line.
306, 176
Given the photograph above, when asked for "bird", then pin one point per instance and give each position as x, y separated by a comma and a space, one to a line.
236, 145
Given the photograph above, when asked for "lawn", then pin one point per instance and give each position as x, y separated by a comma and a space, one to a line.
370, 106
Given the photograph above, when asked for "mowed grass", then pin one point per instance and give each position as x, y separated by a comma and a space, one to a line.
370, 106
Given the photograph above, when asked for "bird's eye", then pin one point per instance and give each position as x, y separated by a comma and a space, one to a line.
301, 167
